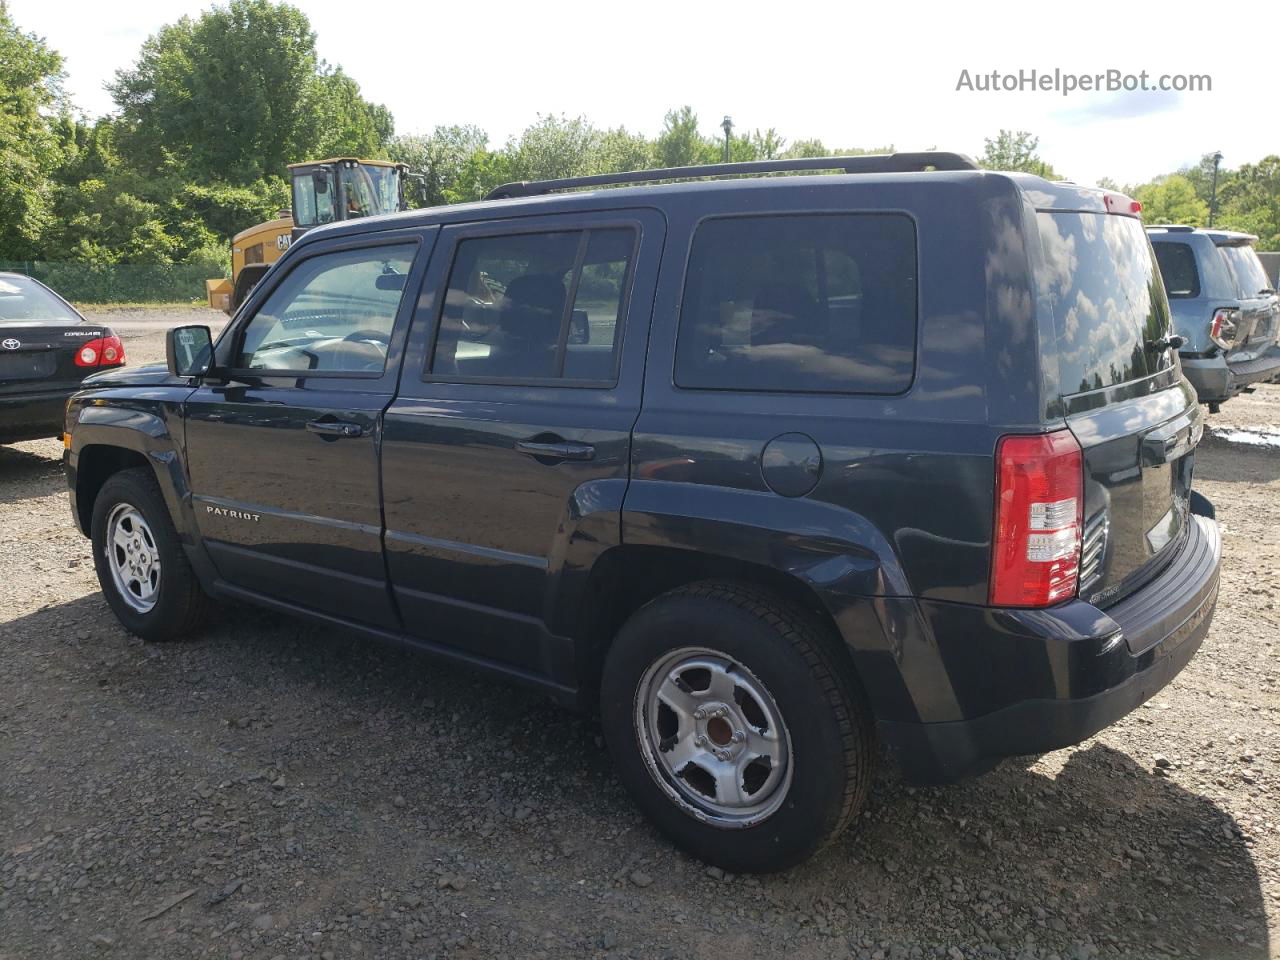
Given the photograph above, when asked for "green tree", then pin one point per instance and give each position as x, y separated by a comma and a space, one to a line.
1015, 150
680, 144
30, 88
1171, 199
1250, 201
340, 122
553, 147
807, 148
619, 150
1201, 177
237, 93
446, 161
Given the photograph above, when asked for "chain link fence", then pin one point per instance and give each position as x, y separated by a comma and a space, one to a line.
120, 282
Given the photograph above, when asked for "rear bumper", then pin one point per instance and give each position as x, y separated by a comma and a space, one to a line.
1216, 379
1061, 674
32, 416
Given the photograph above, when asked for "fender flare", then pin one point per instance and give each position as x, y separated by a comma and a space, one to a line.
144, 433
839, 556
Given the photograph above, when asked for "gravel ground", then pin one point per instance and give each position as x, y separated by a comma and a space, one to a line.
273, 790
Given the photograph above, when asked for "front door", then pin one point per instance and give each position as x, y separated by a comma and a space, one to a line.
282, 447
506, 450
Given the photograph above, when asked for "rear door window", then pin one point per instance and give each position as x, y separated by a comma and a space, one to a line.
1178, 267
800, 303
1108, 299
535, 306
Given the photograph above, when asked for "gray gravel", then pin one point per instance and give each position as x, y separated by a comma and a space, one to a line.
273, 790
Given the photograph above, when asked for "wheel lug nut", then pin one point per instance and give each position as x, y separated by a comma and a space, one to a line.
699, 714
738, 736
699, 741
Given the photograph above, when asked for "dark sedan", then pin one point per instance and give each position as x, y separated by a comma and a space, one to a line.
46, 349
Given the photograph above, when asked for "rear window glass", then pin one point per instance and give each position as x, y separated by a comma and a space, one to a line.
1108, 300
23, 299
812, 303
1178, 267
1247, 271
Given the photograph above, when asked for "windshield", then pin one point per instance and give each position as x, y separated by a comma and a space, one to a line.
21, 298
371, 190
1108, 299
1251, 279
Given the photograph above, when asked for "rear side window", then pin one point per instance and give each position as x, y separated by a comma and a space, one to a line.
1178, 267
1247, 271
800, 303
1108, 300
535, 306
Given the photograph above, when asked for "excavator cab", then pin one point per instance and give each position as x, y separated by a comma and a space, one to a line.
344, 189
324, 191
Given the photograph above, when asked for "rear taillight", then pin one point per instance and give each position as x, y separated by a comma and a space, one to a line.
101, 352
1222, 328
1039, 506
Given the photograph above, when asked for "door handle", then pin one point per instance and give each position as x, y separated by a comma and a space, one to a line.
335, 428
561, 450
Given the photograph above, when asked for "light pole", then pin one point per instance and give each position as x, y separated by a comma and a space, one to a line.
727, 126
1213, 192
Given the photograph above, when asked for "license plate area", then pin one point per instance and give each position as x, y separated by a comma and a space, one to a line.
28, 365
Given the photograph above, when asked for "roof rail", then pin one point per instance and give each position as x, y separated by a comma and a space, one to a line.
868, 163
1171, 227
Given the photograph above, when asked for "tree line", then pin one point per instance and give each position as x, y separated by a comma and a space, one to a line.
213, 108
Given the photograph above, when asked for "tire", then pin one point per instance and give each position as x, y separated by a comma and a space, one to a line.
783, 673
158, 597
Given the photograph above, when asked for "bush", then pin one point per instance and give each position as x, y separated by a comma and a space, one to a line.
121, 282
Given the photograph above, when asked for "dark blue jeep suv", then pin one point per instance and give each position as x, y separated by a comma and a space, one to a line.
763, 468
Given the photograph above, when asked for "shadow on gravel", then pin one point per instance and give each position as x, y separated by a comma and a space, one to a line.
24, 474
1104, 853
1102, 857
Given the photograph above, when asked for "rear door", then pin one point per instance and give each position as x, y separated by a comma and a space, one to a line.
282, 447
1126, 401
505, 453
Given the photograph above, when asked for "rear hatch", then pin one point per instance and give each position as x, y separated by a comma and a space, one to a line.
1136, 419
1259, 319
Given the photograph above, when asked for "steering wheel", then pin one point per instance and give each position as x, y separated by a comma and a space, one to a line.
377, 336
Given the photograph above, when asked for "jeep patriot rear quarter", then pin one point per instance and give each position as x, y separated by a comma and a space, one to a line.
767, 466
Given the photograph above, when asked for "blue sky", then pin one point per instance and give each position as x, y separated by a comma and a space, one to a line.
852, 75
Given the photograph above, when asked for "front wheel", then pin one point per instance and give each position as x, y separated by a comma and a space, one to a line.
144, 574
736, 726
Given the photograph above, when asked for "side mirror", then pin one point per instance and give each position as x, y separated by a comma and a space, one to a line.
189, 351
579, 327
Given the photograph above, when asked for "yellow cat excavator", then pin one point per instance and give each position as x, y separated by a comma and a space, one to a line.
324, 191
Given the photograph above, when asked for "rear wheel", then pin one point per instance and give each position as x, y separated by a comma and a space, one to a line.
736, 727
144, 574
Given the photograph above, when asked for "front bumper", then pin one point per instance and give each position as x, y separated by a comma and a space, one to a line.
1030, 681
32, 416
1216, 379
